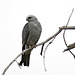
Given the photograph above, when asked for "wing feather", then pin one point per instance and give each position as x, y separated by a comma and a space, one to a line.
25, 34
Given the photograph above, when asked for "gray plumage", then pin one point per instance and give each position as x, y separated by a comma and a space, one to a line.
30, 36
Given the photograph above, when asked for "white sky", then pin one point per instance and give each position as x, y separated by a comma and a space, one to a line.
52, 14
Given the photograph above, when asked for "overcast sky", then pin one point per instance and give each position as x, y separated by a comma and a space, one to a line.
52, 14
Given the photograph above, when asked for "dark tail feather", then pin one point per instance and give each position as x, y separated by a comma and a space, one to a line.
25, 59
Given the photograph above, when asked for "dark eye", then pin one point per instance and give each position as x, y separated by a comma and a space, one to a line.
29, 17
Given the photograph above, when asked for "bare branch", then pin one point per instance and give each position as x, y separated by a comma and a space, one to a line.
69, 47
45, 53
14, 60
18, 64
66, 27
53, 36
69, 27
65, 30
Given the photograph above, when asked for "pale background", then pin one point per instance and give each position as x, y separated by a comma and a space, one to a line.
52, 14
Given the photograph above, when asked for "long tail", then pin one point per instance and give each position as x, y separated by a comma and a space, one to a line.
25, 59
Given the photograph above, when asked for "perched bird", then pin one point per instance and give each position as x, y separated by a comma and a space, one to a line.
30, 36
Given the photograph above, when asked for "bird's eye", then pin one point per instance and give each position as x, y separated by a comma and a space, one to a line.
29, 17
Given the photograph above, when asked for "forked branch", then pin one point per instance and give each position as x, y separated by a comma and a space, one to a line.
60, 29
43, 43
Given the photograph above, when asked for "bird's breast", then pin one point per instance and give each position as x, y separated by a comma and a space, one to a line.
34, 34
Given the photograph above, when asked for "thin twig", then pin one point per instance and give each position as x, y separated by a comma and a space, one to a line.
65, 30
71, 46
44, 57
45, 53
66, 27
18, 64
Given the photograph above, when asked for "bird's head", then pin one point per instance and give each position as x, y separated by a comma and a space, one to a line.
31, 18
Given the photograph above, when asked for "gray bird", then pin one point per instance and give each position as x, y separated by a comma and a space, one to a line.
30, 36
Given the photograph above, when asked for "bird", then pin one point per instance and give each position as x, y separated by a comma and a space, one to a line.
30, 35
